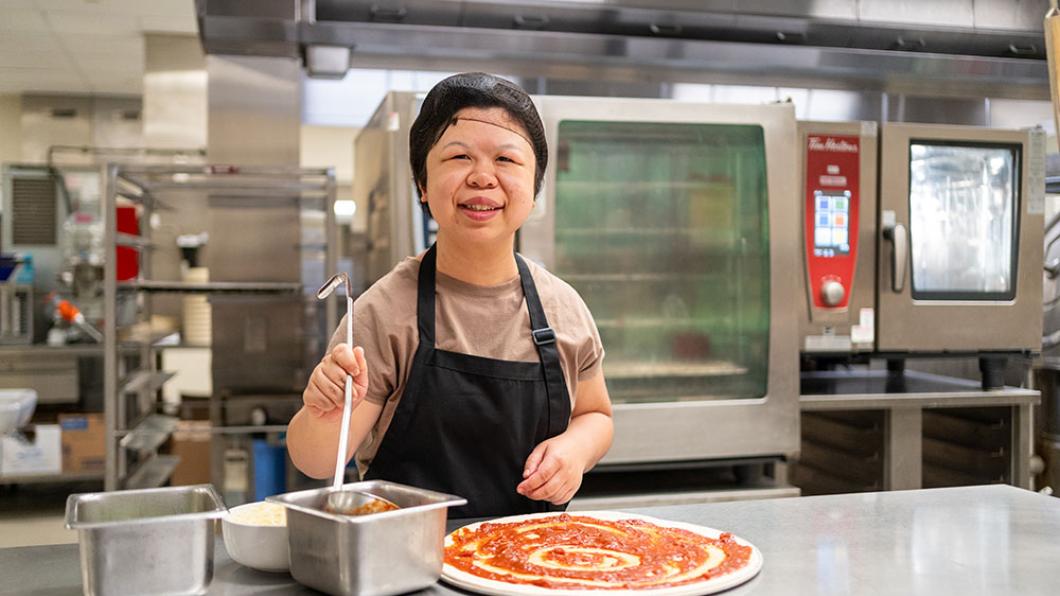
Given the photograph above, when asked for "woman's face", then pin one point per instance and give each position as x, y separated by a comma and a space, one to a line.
480, 177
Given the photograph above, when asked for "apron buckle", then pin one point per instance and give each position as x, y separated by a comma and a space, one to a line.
544, 336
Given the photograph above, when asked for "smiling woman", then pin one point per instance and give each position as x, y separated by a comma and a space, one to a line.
482, 176
476, 372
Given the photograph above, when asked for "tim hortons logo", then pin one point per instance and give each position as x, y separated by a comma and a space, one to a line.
833, 145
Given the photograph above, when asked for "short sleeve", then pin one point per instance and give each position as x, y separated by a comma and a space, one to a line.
590, 354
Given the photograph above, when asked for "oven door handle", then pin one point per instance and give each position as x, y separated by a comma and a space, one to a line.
899, 237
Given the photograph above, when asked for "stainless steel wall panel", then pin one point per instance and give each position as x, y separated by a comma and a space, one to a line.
254, 118
823, 9
257, 346
938, 110
174, 101
266, 9
945, 13
253, 243
1017, 15
254, 110
174, 117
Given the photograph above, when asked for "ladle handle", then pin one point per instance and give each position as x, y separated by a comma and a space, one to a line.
347, 406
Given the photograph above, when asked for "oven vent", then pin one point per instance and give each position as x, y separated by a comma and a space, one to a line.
33, 210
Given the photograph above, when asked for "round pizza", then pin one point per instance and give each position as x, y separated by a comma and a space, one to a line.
554, 553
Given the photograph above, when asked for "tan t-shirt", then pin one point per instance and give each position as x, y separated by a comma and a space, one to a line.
488, 321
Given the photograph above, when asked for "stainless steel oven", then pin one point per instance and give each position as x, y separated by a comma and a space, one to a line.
936, 250
674, 222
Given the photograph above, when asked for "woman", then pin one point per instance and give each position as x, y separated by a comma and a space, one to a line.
477, 373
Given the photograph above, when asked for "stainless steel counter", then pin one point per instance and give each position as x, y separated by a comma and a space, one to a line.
974, 540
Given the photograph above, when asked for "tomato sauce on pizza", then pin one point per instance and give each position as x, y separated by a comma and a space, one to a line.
580, 552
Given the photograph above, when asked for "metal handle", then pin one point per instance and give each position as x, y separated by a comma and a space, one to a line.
665, 29
899, 237
388, 13
529, 21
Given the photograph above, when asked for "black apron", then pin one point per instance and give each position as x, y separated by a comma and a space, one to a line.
466, 424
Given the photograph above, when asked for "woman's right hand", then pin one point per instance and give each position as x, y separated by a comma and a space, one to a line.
325, 394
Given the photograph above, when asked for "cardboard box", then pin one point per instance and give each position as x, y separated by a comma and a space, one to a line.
191, 442
84, 443
37, 452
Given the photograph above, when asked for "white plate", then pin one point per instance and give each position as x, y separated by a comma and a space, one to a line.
467, 581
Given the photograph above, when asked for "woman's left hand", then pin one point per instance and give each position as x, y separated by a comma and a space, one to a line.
553, 472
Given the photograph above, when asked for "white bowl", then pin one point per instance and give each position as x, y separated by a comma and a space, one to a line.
16, 408
257, 546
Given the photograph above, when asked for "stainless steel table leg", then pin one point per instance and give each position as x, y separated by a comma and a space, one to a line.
1022, 446
902, 453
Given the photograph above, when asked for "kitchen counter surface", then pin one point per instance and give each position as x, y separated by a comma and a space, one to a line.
971, 540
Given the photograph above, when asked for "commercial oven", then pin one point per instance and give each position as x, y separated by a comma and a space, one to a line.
674, 223
938, 249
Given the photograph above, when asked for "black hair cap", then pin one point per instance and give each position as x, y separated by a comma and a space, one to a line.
473, 90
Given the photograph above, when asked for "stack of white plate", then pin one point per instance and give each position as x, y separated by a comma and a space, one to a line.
197, 327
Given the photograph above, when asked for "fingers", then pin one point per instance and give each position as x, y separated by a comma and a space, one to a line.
551, 490
565, 497
331, 389
343, 361
360, 379
535, 459
331, 369
344, 356
546, 470
317, 395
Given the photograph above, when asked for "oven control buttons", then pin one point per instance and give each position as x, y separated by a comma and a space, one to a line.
832, 292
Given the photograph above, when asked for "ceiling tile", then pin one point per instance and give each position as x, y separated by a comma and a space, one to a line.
133, 7
95, 22
18, 4
124, 46
31, 50
22, 20
74, 4
107, 64
41, 79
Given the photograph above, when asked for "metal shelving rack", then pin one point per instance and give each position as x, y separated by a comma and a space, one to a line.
148, 430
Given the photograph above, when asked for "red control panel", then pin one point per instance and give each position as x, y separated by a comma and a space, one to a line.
832, 168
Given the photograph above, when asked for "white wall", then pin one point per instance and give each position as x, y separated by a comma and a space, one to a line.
10, 128
332, 147
329, 147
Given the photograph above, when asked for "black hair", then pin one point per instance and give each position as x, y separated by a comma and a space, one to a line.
472, 90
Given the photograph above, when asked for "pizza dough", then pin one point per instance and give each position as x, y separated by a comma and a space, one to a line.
602, 551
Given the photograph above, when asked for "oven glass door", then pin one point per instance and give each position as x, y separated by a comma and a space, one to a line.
963, 208
663, 230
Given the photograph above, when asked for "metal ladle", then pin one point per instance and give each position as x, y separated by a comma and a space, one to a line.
345, 501
355, 502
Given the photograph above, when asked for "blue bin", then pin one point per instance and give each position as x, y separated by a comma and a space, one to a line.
270, 469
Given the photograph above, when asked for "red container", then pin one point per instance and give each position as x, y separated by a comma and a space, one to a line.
128, 258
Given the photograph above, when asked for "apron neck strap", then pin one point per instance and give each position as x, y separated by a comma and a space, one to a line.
559, 407
539, 329
425, 296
